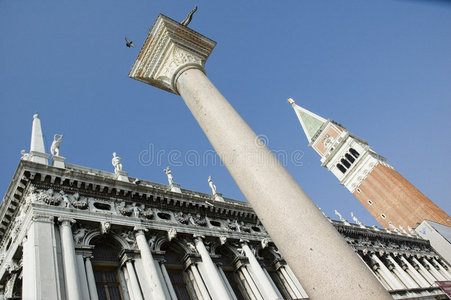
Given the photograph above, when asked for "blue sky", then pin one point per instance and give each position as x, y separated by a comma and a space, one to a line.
381, 68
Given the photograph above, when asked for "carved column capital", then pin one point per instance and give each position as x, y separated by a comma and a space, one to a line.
43, 218
66, 221
140, 229
170, 49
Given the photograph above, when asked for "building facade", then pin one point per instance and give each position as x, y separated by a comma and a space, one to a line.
71, 232
392, 200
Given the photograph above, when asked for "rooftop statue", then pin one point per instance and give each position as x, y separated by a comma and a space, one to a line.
169, 173
116, 162
189, 17
55, 147
212, 185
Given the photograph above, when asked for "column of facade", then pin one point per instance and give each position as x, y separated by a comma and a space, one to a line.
150, 265
389, 277
199, 282
432, 270
168, 282
250, 281
399, 271
69, 259
134, 284
322, 259
415, 274
127, 283
442, 270
227, 284
210, 272
423, 271
91, 279
82, 276
291, 284
295, 281
262, 281
40, 269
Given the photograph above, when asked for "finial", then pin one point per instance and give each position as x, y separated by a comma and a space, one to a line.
189, 17
35, 116
290, 100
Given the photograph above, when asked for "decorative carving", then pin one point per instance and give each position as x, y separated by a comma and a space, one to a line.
79, 234
169, 173
148, 213
212, 186
105, 227
79, 202
244, 228
176, 59
265, 243
136, 210
49, 197
232, 225
198, 220
182, 218
222, 240
25, 155
123, 210
172, 233
129, 237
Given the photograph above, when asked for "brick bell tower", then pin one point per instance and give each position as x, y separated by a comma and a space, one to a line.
386, 194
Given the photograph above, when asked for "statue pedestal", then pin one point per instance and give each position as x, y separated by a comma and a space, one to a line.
122, 176
175, 187
218, 197
58, 162
39, 157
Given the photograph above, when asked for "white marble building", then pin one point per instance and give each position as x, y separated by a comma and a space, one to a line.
71, 232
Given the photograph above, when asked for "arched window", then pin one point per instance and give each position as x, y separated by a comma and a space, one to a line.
105, 265
354, 152
350, 158
341, 168
345, 162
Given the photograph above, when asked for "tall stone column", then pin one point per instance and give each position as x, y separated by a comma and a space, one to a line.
423, 271
91, 280
210, 272
415, 274
405, 278
134, 284
432, 270
150, 265
265, 286
172, 59
73, 290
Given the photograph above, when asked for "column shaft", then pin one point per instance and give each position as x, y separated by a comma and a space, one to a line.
210, 273
91, 280
433, 270
134, 284
200, 283
414, 273
290, 282
150, 267
406, 279
278, 200
83, 279
251, 283
423, 271
262, 281
168, 282
73, 290
389, 277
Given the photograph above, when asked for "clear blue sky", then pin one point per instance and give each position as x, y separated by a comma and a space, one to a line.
381, 68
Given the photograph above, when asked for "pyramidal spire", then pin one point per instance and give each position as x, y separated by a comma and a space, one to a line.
37, 149
310, 122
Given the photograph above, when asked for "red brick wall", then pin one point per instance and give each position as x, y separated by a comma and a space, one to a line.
396, 198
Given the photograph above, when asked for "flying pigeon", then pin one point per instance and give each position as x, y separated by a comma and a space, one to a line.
128, 43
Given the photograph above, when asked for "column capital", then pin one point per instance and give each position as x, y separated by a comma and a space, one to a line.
140, 229
66, 221
169, 49
43, 218
197, 236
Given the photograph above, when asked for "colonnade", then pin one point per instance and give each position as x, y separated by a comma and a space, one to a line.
143, 276
405, 272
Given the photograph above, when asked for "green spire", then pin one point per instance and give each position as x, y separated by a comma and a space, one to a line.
310, 122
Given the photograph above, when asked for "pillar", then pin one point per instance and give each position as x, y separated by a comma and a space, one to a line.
433, 270
389, 277
210, 272
199, 282
91, 280
134, 284
415, 274
322, 259
423, 271
405, 278
73, 290
82, 276
150, 265
442, 270
263, 283
40, 270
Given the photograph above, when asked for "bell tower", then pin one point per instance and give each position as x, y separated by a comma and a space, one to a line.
392, 200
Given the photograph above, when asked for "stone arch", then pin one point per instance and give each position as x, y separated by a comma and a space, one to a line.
96, 233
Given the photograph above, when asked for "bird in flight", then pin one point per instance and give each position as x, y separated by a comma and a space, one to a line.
128, 43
